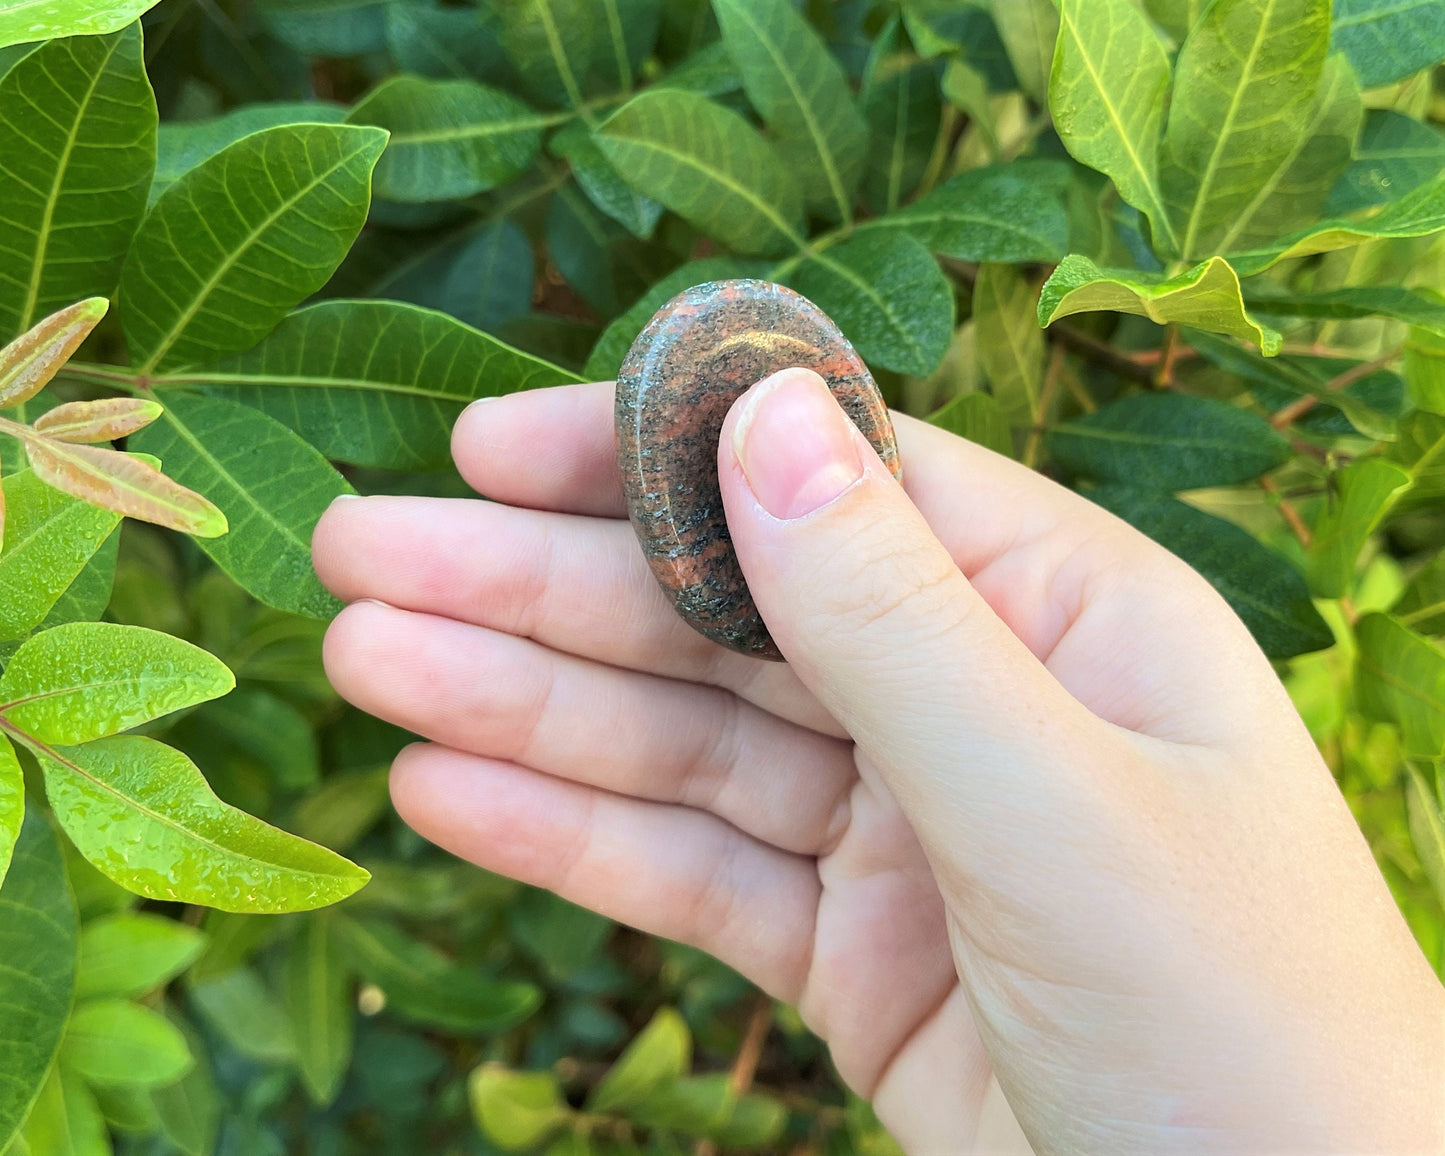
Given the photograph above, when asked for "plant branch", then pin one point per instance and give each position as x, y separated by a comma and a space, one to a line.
1045, 406
1286, 508
1301, 406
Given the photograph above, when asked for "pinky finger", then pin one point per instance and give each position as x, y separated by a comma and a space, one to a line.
664, 869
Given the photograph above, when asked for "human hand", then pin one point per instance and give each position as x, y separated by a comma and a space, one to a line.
1027, 799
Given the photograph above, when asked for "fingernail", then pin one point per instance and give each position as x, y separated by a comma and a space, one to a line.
479, 402
343, 497
795, 445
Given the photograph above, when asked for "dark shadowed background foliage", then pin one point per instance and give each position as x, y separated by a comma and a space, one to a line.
1183, 256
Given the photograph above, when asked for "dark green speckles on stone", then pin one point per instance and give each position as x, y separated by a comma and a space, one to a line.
697, 355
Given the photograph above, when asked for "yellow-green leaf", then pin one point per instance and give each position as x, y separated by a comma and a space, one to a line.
1400, 678
662, 1051
1010, 342
516, 1110
141, 813
87, 680
1244, 86
1207, 297
1367, 489
12, 803
130, 953
1427, 823
318, 996
113, 1041
1106, 93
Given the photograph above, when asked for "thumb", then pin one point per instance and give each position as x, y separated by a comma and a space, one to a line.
879, 622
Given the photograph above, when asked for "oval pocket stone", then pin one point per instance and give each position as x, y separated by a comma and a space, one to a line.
699, 352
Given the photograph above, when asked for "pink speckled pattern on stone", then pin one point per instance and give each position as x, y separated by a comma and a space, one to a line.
697, 355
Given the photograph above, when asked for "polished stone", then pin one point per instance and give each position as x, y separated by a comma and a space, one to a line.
697, 355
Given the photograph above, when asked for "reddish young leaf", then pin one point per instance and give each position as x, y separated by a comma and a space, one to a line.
97, 421
122, 483
33, 358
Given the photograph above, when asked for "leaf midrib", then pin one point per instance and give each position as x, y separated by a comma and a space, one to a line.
815, 130
42, 238
45, 750
1159, 216
1201, 190
745, 192
230, 260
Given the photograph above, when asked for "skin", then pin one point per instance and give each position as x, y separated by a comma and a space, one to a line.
1026, 804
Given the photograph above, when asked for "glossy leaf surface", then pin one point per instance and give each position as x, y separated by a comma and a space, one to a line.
141, 812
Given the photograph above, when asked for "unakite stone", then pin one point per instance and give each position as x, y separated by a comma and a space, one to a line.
697, 355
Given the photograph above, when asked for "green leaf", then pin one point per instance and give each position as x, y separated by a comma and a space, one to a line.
1207, 297
562, 936
37, 943
1295, 377
66, 1120
602, 183
1422, 606
662, 1051
1416, 214
1425, 369
374, 383
427, 988
617, 338
222, 256
1303, 179
85, 599
271, 485
554, 45
1421, 450
327, 27
709, 71
1168, 442
49, 539
1367, 490
22, 21
1427, 825
1010, 342
709, 1106
1395, 154
127, 1107
1176, 17
143, 815
445, 43
1106, 93
709, 165
87, 680
1388, 40
247, 1015
1029, 30
799, 88
189, 1110
887, 295
1267, 592
516, 1110
483, 276
131, 953
343, 808
12, 803
449, 138
182, 145
902, 106
77, 131
1400, 678
255, 728
979, 418
1002, 213
113, 1041
318, 997
1244, 86
1364, 301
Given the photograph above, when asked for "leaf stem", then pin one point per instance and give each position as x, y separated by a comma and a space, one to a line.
1301, 406
1286, 508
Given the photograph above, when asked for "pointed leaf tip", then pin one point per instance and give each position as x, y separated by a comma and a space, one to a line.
29, 362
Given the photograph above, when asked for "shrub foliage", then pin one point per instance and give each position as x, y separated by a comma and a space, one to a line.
257, 253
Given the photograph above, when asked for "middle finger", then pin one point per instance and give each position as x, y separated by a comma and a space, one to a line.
634, 734
579, 585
